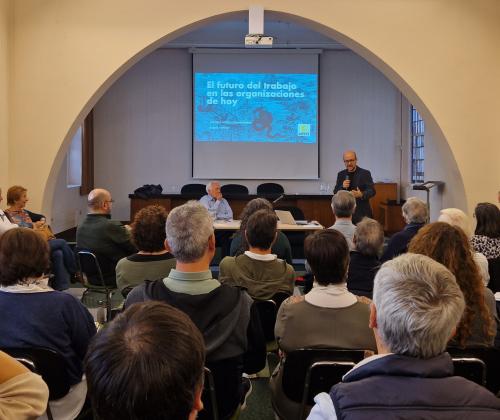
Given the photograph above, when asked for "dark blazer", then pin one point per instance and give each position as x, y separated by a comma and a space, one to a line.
362, 179
361, 273
398, 244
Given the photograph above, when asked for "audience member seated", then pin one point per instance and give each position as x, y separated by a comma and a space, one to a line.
258, 270
343, 207
457, 217
281, 247
5, 221
23, 394
416, 308
147, 364
108, 239
35, 315
61, 256
329, 316
415, 213
364, 264
224, 314
219, 209
153, 261
486, 239
449, 246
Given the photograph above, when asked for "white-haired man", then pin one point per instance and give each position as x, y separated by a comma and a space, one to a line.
416, 215
343, 207
217, 206
224, 314
416, 307
219, 209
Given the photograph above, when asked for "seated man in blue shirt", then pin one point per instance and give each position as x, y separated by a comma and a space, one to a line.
219, 209
217, 206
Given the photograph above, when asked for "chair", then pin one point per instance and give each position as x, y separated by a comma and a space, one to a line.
268, 310
307, 372
296, 239
47, 363
194, 189
494, 270
210, 403
270, 190
472, 369
93, 279
234, 189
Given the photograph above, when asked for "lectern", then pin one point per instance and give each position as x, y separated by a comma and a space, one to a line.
427, 186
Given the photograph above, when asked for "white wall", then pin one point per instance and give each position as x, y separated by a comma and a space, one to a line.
143, 125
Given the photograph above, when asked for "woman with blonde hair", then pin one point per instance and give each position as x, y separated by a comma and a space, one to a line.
450, 246
458, 218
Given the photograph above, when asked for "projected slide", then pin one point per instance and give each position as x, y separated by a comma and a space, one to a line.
255, 107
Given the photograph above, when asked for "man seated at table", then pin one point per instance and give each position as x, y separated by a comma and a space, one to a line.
219, 209
416, 307
217, 206
258, 270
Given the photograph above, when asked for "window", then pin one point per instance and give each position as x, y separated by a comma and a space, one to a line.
417, 146
74, 168
80, 157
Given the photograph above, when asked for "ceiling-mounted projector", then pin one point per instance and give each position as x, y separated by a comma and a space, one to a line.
258, 41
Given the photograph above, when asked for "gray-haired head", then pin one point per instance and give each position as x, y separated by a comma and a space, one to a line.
343, 204
419, 303
98, 200
415, 210
369, 237
188, 229
457, 218
210, 184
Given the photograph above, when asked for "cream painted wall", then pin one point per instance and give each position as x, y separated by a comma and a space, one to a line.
5, 27
67, 53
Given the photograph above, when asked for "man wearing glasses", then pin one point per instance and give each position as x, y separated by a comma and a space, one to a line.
360, 184
108, 239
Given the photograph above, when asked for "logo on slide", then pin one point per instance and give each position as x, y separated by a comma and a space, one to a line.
304, 130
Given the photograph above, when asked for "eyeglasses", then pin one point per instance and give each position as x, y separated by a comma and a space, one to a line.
350, 160
110, 201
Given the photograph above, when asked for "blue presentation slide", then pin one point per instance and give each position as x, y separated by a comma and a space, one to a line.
256, 107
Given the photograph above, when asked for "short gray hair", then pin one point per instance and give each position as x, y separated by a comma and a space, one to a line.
458, 218
418, 303
369, 237
415, 210
188, 229
343, 204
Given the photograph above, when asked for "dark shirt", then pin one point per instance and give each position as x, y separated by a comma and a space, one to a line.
398, 244
107, 238
55, 320
362, 270
362, 179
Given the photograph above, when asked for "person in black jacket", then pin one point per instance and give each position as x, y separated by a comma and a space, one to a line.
225, 315
359, 182
415, 214
364, 263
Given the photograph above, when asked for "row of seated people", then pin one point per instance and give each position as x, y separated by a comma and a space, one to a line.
148, 363
189, 224
63, 264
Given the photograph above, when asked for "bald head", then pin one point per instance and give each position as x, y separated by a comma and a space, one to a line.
350, 160
99, 201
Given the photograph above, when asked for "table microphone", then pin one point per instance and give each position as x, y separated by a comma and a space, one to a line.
281, 197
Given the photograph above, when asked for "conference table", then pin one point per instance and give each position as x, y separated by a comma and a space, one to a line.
314, 206
235, 225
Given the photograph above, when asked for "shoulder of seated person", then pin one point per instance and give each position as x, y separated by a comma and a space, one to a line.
363, 299
294, 299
